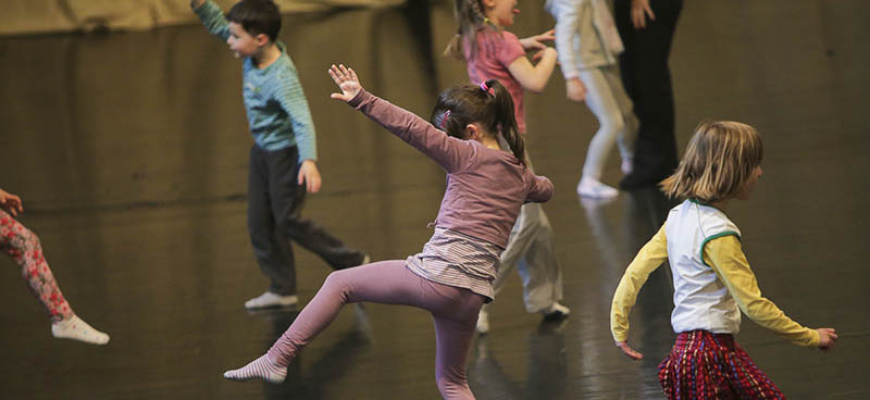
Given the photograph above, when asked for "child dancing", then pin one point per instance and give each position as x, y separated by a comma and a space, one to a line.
452, 277
712, 279
23, 246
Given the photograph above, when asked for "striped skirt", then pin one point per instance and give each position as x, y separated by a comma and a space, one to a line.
703, 365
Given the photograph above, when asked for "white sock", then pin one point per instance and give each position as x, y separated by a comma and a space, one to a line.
76, 329
263, 368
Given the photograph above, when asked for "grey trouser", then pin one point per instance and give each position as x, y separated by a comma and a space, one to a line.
606, 98
275, 201
530, 251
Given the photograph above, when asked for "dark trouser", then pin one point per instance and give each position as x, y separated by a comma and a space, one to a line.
275, 201
647, 79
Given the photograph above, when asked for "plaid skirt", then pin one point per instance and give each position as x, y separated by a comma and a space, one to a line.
703, 365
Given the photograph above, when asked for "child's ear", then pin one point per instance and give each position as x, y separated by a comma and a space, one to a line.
488, 3
262, 39
472, 132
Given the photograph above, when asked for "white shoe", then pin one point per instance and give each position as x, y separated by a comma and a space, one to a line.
556, 311
269, 299
483, 321
592, 188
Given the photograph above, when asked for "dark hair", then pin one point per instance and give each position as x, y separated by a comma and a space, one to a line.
459, 106
469, 20
256, 17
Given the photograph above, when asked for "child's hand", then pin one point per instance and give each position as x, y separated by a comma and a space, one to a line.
575, 89
10, 203
310, 175
827, 337
638, 9
346, 80
628, 351
537, 42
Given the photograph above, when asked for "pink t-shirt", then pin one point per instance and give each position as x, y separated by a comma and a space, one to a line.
495, 51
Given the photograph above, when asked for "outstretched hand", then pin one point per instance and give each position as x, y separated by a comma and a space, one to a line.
346, 80
628, 351
11, 203
537, 42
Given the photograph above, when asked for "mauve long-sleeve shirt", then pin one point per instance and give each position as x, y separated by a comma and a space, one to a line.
485, 187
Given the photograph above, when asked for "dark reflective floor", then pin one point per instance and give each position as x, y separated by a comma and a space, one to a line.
130, 151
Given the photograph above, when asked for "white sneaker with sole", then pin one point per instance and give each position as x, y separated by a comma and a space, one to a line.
593, 189
556, 311
269, 299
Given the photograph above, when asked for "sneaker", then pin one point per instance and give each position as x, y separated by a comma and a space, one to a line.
592, 188
483, 321
556, 312
269, 300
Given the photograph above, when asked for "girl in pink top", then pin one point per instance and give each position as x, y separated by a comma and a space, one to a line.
491, 52
452, 277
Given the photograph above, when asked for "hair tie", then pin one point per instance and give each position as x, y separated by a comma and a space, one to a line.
484, 87
444, 119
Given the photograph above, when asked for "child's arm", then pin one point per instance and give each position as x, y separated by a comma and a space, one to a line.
212, 17
567, 30
289, 94
725, 256
11, 203
648, 259
541, 190
452, 154
534, 77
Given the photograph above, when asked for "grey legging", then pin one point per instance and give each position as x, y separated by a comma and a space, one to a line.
606, 98
454, 311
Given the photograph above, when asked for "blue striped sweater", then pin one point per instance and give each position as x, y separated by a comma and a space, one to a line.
278, 113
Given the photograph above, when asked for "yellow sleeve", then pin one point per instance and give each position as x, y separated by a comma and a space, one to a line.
725, 256
648, 259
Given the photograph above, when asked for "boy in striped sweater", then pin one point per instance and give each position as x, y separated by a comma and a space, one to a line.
283, 159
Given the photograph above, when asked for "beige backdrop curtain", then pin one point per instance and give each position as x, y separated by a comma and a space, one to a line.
19, 17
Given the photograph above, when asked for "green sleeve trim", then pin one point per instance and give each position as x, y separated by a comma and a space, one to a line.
716, 236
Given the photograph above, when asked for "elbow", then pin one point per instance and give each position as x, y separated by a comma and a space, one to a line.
536, 87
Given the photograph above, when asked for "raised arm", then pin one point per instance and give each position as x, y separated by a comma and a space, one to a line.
648, 259
725, 256
212, 17
452, 154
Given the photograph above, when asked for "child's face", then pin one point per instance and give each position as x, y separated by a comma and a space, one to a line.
749, 185
501, 12
241, 42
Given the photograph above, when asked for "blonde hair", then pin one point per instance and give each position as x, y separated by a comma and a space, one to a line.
721, 156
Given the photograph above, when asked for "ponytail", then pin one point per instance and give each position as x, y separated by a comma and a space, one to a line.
489, 105
505, 118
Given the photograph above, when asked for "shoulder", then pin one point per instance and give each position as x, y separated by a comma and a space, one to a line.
509, 37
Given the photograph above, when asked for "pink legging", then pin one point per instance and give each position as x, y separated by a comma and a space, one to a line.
23, 246
454, 311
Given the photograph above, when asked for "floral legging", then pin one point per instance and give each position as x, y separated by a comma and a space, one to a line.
23, 246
